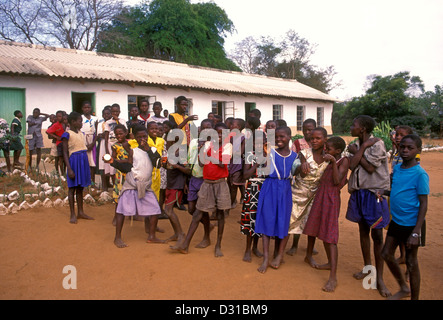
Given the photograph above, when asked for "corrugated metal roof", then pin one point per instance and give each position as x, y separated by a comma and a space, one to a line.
27, 59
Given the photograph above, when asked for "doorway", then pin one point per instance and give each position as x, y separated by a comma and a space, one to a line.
79, 97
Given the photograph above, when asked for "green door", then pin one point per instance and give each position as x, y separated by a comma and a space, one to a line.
12, 99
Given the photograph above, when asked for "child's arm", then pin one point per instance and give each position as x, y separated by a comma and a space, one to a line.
70, 172
415, 241
338, 173
358, 158
185, 169
106, 136
249, 170
304, 168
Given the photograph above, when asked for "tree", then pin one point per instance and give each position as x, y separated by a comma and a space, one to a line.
288, 59
71, 24
173, 30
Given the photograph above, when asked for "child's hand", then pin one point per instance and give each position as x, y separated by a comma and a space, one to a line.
305, 168
353, 148
71, 174
379, 194
413, 241
370, 142
330, 158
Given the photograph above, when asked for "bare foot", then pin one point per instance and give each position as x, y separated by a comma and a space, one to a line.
326, 266
155, 240
276, 262
82, 215
330, 285
263, 267
311, 262
382, 289
218, 252
119, 243
257, 253
247, 257
292, 251
179, 248
359, 275
73, 220
203, 244
400, 295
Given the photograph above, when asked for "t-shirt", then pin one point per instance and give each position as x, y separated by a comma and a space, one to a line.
36, 128
88, 127
212, 171
110, 126
57, 129
407, 185
175, 179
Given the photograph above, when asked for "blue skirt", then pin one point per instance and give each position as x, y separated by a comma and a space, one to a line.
80, 165
274, 208
363, 206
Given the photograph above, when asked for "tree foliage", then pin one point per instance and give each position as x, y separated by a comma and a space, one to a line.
173, 30
71, 24
289, 58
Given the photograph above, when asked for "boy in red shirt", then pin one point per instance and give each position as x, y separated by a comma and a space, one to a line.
55, 132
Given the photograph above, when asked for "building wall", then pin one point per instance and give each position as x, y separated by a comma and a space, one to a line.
55, 94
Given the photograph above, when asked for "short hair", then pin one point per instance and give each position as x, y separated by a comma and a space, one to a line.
286, 129
322, 130
74, 116
115, 105
157, 103
85, 103
254, 122
366, 122
281, 123
307, 121
144, 100
255, 112
337, 143
220, 125
16, 112
36, 109
137, 128
207, 121
120, 126
241, 121
150, 124
415, 138
408, 129
60, 111
180, 99
168, 123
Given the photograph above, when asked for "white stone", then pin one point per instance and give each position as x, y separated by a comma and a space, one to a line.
24, 205
28, 197
47, 203
3, 197
36, 204
46, 186
66, 201
16, 172
42, 194
13, 195
48, 192
88, 199
105, 196
57, 189
3, 210
58, 203
35, 196
13, 208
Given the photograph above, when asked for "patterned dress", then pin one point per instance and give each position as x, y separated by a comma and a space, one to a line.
323, 218
121, 154
303, 192
250, 199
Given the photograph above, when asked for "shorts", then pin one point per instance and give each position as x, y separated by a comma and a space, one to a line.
172, 196
236, 178
129, 204
363, 206
54, 152
60, 150
402, 233
194, 187
214, 195
35, 143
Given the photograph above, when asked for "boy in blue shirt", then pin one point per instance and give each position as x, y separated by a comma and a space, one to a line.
409, 203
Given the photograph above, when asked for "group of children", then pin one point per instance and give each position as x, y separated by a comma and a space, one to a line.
286, 187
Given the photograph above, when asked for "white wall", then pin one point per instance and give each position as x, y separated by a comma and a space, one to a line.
55, 94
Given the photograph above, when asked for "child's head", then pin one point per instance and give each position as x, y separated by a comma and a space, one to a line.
255, 113
115, 111
167, 126
52, 118
181, 104
86, 108
270, 125
106, 113
410, 146
211, 116
160, 129
228, 122
362, 124
318, 139
238, 124
252, 123
75, 120
152, 128
140, 133
19, 114
282, 137
281, 123
402, 131
133, 112
206, 124
157, 108
36, 112
219, 127
218, 118
335, 146
120, 133
59, 116
144, 106
307, 127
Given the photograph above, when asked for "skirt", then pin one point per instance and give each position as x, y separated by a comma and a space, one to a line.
249, 208
129, 204
80, 165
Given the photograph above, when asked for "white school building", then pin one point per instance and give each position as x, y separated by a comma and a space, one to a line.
33, 76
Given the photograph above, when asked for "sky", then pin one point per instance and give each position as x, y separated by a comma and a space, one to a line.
359, 38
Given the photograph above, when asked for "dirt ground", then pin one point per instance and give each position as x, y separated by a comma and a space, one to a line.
37, 244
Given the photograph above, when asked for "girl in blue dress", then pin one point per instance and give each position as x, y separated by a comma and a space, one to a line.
77, 165
275, 200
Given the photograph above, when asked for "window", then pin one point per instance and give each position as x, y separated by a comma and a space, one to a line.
225, 109
320, 116
277, 112
300, 117
135, 101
